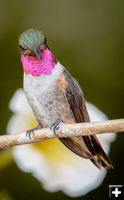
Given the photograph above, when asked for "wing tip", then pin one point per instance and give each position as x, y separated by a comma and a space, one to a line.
99, 161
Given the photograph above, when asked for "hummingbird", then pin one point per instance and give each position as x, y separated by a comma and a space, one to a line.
55, 96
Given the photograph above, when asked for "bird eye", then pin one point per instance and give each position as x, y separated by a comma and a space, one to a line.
25, 51
21, 48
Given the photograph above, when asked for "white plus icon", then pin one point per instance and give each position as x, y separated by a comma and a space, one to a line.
116, 192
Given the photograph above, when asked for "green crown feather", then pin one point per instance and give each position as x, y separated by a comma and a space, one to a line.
31, 38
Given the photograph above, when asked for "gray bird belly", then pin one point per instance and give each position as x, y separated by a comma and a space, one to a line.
48, 103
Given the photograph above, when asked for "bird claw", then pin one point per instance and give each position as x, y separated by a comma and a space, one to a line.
30, 132
56, 126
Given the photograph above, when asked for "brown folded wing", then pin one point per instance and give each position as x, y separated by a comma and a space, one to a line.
86, 146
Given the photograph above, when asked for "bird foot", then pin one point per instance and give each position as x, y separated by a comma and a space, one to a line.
57, 126
31, 132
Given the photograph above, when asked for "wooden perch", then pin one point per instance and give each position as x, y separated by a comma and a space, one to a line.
67, 130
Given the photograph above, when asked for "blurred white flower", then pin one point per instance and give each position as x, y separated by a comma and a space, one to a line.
55, 166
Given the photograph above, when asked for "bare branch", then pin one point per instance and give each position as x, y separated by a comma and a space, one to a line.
67, 130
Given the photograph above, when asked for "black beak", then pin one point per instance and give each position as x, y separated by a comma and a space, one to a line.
37, 52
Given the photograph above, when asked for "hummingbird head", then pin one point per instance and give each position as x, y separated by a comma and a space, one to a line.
32, 42
36, 57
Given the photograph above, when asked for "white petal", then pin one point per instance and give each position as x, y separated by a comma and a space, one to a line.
29, 160
23, 118
19, 103
95, 114
77, 180
17, 124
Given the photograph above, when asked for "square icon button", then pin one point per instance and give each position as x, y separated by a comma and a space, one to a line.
116, 192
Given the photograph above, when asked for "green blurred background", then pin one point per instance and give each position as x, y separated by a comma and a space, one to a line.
88, 38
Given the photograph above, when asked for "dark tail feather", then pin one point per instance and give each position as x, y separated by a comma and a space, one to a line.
100, 159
